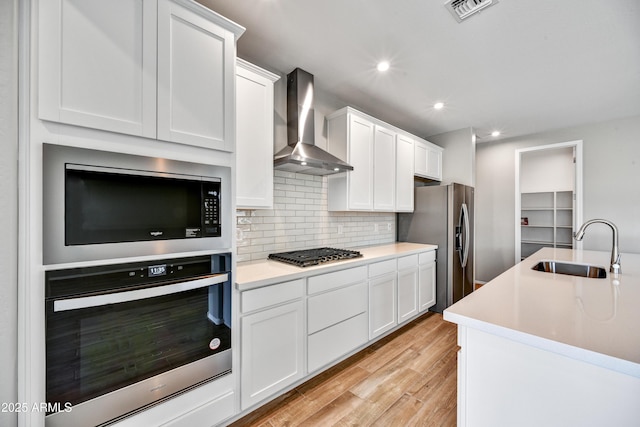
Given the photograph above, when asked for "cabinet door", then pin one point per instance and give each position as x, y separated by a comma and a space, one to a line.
428, 160
254, 136
420, 163
97, 64
427, 285
382, 304
196, 79
404, 174
407, 293
434, 164
384, 169
360, 180
272, 351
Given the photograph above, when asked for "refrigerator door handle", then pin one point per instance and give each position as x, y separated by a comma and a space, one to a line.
464, 217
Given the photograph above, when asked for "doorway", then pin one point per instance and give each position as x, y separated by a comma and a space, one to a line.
548, 197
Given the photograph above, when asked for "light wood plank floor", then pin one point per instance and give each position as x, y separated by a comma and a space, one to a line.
405, 379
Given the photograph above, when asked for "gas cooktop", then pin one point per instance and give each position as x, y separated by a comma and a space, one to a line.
307, 257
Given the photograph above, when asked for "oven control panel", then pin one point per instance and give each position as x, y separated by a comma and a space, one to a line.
211, 209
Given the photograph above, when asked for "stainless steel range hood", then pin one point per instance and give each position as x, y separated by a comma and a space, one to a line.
301, 154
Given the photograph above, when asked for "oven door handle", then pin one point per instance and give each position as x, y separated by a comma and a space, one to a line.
138, 294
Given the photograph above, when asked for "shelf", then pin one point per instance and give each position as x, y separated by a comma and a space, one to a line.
550, 217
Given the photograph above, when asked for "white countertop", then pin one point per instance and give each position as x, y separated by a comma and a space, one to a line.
594, 320
255, 274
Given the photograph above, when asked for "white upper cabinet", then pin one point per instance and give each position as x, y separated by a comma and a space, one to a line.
254, 136
384, 167
196, 79
352, 135
382, 157
428, 160
159, 69
404, 173
360, 149
97, 64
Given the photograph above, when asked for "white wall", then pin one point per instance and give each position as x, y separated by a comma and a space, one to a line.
611, 190
459, 156
8, 206
547, 170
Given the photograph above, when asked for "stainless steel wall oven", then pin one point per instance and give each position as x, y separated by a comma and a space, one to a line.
122, 337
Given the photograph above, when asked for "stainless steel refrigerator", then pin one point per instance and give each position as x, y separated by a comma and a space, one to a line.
443, 215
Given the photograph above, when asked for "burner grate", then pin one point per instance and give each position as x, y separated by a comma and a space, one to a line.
308, 257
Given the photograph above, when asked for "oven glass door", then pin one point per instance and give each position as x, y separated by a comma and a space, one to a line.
95, 349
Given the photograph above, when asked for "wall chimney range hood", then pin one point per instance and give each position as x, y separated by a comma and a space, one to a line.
301, 155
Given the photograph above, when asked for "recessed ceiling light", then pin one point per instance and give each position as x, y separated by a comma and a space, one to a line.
495, 133
383, 66
438, 105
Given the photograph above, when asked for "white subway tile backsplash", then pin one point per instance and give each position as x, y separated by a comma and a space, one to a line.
300, 220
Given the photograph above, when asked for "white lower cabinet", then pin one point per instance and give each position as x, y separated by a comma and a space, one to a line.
272, 341
382, 297
210, 413
332, 343
427, 280
407, 287
337, 315
294, 329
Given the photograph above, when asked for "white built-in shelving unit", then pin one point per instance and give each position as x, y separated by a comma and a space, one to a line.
547, 220
549, 195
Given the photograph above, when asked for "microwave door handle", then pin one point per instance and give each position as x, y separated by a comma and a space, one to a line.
138, 294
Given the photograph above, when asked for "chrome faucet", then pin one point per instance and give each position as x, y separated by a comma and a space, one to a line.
615, 253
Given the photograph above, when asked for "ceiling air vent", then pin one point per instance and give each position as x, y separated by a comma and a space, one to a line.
462, 9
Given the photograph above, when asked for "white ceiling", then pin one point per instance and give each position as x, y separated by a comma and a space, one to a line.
517, 66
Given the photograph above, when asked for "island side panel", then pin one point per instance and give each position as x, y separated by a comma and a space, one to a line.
503, 382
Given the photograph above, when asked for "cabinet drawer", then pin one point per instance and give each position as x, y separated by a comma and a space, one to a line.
327, 309
382, 267
336, 341
426, 257
337, 279
271, 295
211, 412
408, 261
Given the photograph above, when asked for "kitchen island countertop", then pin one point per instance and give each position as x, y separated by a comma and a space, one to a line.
593, 320
255, 274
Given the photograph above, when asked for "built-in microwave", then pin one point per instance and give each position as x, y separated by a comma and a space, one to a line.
100, 205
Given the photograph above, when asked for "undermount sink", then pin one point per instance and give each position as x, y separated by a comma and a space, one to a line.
571, 269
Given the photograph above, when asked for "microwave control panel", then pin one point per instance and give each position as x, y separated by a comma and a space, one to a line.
211, 209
